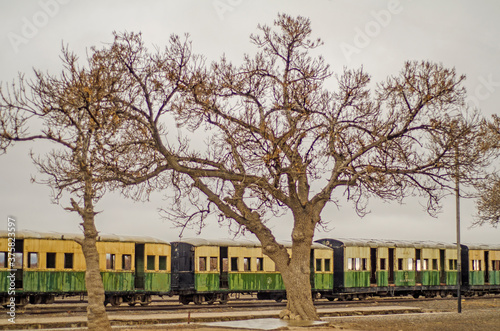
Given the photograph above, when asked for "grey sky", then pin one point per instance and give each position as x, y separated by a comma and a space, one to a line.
380, 35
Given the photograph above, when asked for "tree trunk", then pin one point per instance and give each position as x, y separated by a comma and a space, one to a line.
296, 276
97, 319
299, 298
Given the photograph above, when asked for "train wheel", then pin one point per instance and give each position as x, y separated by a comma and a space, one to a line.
116, 300
48, 299
362, 296
146, 300
223, 299
22, 301
198, 299
36, 299
184, 299
210, 298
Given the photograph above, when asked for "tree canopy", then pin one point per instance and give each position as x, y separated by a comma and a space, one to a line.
488, 203
75, 112
282, 135
280, 138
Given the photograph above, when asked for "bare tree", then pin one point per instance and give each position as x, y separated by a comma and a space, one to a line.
488, 203
278, 141
74, 111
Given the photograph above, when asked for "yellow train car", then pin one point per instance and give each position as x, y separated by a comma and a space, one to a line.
364, 267
483, 264
208, 270
45, 265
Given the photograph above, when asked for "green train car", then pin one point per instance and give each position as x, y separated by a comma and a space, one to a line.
209, 270
368, 267
45, 265
482, 263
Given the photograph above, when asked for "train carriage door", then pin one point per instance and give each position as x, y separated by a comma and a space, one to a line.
464, 258
486, 267
442, 272
373, 269
418, 266
182, 266
18, 263
224, 268
311, 268
391, 266
139, 266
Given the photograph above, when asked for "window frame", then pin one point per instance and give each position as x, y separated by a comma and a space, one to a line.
150, 262
37, 264
259, 264
202, 263
214, 265
124, 262
234, 264
327, 267
162, 262
66, 256
110, 261
247, 264
319, 265
52, 260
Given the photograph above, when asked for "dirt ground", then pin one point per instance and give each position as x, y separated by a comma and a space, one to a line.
477, 314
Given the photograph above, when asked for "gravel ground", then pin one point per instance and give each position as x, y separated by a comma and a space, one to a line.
477, 314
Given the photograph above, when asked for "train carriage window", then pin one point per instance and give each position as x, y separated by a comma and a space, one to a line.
213, 263
234, 264
425, 266
202, 266
400, 264
435, 264
3, 259
410, 264
260, 264
17, 262
127, 262
418, 265
382, 264
453, 264
68, 260
476, 265
357, 265
162, 262
150, 262
318, 265
364, 264
496, 265
110, 261
51, 261
327, 265
225, 264
32, 260
350, 264
246, 264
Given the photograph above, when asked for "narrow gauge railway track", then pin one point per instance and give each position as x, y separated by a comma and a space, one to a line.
248, 304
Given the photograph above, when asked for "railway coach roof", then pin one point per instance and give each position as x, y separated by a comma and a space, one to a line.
349, 242
27, 234
495, 247
240, 243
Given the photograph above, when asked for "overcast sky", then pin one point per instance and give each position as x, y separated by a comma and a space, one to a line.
380, 35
